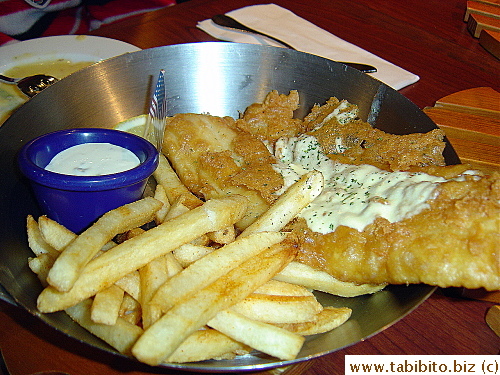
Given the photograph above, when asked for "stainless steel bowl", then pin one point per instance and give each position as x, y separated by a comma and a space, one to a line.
221, 79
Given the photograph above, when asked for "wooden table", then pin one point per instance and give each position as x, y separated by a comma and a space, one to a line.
428, 38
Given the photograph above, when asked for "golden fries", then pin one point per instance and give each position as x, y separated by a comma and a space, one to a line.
269, 339
161, 339
279, 309
192, 288
54, 233
121, 336
302, 274
106, 305
207, 344
211, 267
135, 253
82, 249
36, 242
289, 204
174, 188
328, 319
173, 288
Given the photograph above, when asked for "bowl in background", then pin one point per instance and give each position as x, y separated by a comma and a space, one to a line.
77, 201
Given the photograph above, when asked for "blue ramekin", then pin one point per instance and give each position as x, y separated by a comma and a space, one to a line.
77, 201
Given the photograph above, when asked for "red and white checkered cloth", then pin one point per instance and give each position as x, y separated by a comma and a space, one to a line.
27, 19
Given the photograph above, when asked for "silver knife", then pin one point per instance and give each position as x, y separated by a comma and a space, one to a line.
226, 21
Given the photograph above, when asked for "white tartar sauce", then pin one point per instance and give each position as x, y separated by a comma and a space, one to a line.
354, 195
93, 159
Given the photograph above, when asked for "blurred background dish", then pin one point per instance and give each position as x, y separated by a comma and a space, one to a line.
217, 78
57, 56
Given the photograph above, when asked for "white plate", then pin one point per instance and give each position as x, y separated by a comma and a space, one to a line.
75, 48
72, 47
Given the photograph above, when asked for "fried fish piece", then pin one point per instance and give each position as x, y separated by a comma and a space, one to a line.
213, 158
455, 242
347, 139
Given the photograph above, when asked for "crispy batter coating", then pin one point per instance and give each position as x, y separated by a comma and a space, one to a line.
362, 144
273, 118
455, 242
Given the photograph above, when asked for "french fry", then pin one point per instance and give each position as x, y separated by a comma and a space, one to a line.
278, 309
166, 176
130, 309
280, 288
161, 195
212, 266
54, 233
59, 236
129, 234
302, 274
328, 319
152, 276
161, 339
207, 344
82, 249
135, 253
289, 204
106, 305
269, 339
36, 242
120, 336
173, 266
177, 207
131, 284
189, 253
224, 236
41, 266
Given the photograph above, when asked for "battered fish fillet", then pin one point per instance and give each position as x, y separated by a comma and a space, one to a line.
454, 242
213, 158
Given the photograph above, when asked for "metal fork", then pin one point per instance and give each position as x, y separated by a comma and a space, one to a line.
229, 22
157, 115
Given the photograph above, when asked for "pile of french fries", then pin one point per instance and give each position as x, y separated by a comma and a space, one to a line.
190, 288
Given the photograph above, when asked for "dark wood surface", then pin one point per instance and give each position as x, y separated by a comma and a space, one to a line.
428, 38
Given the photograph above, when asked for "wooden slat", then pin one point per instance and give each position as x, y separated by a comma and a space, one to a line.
490, 40
482, 101
490, 2
475, 7
471, 121
479, 155
479, 22
466, 126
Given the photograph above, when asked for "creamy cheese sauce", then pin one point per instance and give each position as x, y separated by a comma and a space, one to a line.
93, 159
354, 195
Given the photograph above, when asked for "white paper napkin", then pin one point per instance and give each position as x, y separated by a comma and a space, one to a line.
307, 37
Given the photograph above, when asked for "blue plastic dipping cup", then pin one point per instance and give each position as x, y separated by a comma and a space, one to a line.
77, 201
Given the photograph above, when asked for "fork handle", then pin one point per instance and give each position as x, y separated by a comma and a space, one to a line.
226, 21
229, 22
9, 80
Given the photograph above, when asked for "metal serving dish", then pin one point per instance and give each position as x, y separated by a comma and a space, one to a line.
221, 79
